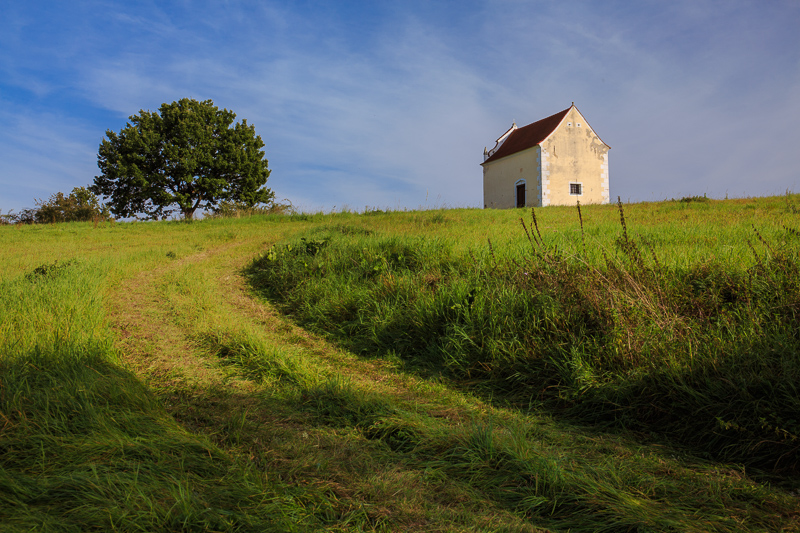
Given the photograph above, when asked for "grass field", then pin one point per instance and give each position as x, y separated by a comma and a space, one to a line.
445, 370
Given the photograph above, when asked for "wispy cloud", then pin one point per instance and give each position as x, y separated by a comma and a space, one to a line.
385, 104
41, 154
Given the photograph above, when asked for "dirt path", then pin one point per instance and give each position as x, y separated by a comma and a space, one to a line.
196, 387
162, 352
165, 355
151, 343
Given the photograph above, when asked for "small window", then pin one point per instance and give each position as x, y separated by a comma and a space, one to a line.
569, 124
579, 124
575, 189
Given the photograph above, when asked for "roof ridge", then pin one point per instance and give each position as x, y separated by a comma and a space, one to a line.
528, 136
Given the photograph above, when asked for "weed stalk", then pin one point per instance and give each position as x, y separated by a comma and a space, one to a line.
580, 219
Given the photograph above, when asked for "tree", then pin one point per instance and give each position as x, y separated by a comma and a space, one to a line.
189, 155
80, 205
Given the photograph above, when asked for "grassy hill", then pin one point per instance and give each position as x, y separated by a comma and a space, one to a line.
633, 368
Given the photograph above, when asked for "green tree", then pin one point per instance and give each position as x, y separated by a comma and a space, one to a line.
189, 155
80, 205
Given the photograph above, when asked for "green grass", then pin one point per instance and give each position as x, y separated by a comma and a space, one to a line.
462, 387
84, 445
627, 334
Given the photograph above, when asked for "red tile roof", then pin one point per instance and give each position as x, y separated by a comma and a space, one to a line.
528, 136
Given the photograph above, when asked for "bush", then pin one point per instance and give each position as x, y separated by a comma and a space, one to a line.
26, 216
80, 206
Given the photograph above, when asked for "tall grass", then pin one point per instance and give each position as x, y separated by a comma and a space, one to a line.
704, 353
85, 447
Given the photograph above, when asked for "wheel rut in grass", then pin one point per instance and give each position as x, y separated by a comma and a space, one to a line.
151, 343
163, 352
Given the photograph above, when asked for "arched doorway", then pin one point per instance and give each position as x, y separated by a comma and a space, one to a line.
520, 185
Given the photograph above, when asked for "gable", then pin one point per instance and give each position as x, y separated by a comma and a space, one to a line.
528, 136
574, 122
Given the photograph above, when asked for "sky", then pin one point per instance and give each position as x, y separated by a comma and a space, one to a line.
389, 104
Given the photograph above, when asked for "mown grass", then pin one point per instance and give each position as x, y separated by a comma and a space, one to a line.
207, 411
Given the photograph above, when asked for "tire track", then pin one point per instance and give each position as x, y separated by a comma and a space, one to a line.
150, 342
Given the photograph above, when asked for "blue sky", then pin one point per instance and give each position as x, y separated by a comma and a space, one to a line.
390, 104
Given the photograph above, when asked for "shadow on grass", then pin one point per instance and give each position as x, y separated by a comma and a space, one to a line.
85, 446
333, 435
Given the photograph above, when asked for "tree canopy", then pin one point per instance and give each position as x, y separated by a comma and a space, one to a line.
189, 155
